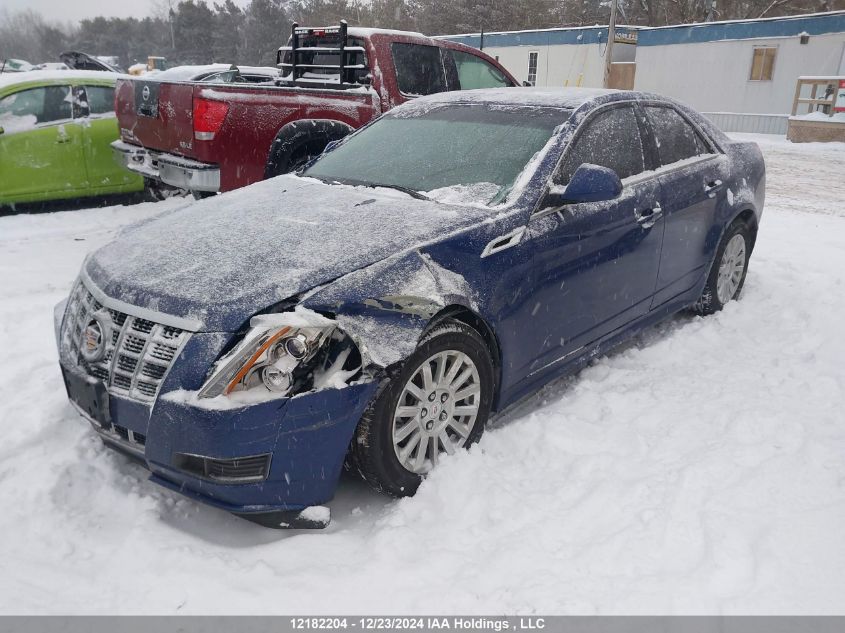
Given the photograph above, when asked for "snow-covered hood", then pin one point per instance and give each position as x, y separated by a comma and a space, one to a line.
221, 260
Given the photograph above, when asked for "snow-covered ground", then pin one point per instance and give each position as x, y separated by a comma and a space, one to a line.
699, 470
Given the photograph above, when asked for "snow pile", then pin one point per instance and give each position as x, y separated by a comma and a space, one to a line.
699, 470
837, 117
479, 193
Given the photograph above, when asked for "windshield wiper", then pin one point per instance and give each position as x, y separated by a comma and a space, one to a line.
372, 185
411, 192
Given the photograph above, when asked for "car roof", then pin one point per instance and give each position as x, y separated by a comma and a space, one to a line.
55, 76
550, 97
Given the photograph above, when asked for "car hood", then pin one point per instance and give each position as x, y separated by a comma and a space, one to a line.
83, 61
220, 260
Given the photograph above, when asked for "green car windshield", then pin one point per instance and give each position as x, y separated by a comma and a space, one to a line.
481, 148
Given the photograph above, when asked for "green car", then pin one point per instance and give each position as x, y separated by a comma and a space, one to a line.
55, 133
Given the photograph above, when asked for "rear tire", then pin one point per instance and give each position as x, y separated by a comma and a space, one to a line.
299, 142
448, 415
727, 274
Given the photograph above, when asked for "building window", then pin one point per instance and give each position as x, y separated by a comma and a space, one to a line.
763, 63
532, 67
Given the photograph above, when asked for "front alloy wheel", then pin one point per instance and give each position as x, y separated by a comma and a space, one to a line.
437, 410
438, 403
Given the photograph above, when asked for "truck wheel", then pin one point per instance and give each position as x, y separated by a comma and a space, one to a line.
300, 141
437, 403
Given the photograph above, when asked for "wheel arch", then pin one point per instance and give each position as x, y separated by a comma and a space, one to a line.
469, 317
296, 134
749, 217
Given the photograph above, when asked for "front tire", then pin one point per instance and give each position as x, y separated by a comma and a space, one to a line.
439, 402
730, 266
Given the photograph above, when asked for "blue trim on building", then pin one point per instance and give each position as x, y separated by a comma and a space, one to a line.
818, 24
782, 27
550, 37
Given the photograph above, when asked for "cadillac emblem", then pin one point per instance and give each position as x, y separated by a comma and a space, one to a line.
92, 344
145, 93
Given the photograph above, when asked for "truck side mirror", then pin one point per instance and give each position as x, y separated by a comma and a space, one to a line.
2, 131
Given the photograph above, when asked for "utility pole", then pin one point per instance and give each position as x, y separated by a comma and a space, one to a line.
611, 35
170, 16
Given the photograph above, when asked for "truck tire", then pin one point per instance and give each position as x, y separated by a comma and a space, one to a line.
300, 141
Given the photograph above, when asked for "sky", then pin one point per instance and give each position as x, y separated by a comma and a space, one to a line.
75, 10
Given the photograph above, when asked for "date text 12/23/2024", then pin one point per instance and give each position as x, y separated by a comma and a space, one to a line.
453, 623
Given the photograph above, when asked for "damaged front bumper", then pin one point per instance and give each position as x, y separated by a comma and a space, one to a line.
275, 462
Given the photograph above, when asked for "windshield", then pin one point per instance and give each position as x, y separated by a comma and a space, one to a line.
459, 153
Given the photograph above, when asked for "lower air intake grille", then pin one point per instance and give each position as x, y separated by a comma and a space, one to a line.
237, 470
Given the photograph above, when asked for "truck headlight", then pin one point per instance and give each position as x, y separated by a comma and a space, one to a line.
273, 355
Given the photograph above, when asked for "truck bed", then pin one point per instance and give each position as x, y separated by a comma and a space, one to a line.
163, 121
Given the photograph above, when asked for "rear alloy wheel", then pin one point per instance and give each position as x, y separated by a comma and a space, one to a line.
727, 275
437, 405
731, 269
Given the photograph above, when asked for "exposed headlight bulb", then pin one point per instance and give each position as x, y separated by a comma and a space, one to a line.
296, 346
276, 379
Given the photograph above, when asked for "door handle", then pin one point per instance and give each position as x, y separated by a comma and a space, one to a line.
647, 218
712, 187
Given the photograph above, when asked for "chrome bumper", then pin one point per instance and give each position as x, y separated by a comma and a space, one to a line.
175, 171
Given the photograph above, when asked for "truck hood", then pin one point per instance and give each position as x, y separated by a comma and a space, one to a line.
220, 260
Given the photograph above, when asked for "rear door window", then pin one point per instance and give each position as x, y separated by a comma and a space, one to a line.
609, 139
474, 72
28, 108
419, 69
675, 138
100, 99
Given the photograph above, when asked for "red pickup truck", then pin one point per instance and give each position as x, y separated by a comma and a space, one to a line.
218, 137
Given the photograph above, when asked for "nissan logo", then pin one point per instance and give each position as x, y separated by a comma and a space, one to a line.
145, 93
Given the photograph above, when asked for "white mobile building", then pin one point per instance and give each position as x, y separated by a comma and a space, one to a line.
742, 73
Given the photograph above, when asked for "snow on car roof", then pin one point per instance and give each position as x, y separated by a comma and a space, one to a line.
553, 97
12, 79
360, 31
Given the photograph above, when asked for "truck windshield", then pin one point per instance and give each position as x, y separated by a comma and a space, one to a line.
453, 153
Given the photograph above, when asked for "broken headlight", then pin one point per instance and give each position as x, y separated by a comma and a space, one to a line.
275, 356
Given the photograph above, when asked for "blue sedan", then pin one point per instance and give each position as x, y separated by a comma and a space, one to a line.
427, 271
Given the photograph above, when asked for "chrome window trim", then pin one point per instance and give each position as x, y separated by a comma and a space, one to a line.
668, 169
189, 325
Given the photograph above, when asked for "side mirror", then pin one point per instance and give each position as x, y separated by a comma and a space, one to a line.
589, 183
2, 131
527, 84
